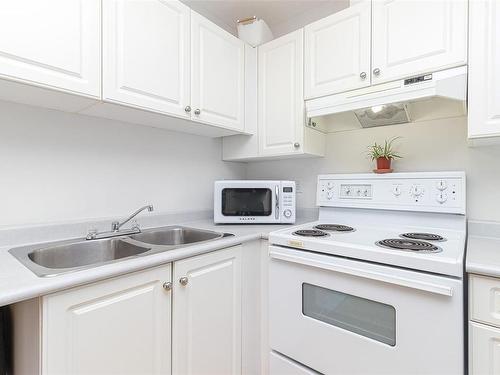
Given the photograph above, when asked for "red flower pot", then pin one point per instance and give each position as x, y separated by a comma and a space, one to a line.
383, 163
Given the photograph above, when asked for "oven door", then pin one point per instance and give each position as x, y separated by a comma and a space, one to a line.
341, 316
247, 202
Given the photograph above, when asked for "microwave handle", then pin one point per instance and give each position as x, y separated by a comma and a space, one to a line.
367, 274
277, 202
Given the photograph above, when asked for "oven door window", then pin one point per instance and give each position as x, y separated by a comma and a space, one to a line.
362, 316
247, 202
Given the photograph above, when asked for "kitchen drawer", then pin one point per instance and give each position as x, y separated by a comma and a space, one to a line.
484, 299
484, 349
281, 365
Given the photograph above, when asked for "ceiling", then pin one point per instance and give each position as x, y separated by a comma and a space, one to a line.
282, 16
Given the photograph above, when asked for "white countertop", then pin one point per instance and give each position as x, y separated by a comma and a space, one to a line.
483, 248
18, 283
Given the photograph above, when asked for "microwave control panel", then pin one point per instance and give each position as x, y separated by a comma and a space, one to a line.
287, 202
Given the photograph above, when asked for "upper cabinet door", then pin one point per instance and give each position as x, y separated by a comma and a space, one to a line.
281, 95
146, 64
217, 75
411, 37
337, 52
53, 43
484, 69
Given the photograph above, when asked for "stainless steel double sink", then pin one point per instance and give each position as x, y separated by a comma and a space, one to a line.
51, 259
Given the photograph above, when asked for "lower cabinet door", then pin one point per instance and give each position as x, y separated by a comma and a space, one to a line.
484, 349
206, 335
117, 326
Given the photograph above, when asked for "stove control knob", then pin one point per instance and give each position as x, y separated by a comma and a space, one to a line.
329, 195
441, 197
329, 185
287, 213
441, 185
416, 191
396, 190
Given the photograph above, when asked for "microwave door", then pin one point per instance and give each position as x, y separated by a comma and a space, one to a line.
255, 202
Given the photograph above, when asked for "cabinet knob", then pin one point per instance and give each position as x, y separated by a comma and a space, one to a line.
296, 145
187, 109
362, 75
183, 281
197, 111
376, 71
167, 285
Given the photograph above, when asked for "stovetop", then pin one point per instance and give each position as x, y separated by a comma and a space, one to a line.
371, 242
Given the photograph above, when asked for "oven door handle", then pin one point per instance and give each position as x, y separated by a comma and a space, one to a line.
277, 202
367, 274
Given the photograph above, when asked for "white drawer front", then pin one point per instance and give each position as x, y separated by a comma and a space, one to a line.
485, 299
280, 365
484, 350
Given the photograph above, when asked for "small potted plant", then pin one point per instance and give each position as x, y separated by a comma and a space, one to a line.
383, 154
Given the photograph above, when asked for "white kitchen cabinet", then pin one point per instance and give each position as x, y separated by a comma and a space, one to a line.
217, 75
484, 325
281, 94
484, 349
117, 326
53, 44
484, 71
207, 314
245, 147
281, 119
411, 37
337, 52
274, 105
147, 64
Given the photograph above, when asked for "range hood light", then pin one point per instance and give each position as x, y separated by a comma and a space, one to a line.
388, 114
377, 108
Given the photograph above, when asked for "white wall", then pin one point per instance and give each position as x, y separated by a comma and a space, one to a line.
57, 166
431, 146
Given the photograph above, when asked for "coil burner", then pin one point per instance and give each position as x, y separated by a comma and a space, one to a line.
334, 227
409, 245
423, 236
310, 233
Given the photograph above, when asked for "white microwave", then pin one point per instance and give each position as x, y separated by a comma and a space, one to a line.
259, 201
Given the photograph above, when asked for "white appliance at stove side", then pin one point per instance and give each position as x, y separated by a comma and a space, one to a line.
442, 192
329, 312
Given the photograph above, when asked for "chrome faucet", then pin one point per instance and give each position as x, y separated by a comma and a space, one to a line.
93, 234
116, 225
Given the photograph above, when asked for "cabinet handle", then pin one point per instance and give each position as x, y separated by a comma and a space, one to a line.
183, 281
296, 145
197, 111
167, 285
187, 109
376, 71
362, 75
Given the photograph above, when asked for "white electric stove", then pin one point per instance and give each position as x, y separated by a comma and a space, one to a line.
375, 286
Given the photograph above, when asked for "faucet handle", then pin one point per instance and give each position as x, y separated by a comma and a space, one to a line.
92, 234
115, 225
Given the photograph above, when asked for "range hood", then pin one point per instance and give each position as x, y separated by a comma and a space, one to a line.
417, 98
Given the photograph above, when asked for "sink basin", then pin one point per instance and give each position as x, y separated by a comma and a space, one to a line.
84, 253
64, 256
51, 259
175, 236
